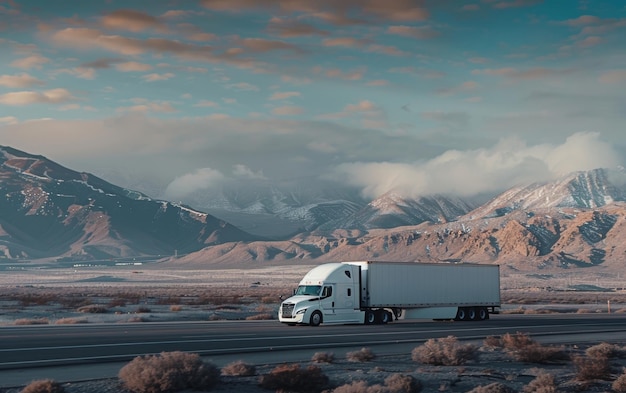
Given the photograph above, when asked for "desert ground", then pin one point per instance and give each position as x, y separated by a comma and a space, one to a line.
144, 294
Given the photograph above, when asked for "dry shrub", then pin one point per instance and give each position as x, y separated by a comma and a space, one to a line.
92, 309
362, 355
136, 319
516, 341
544, 383
604, 350
493, 342
43, 386
117, 303
260, 317
36, 299
354, 387
142, 310
619, 385
590, 368
270, 299
524, 349
31, 321
444, 352
402, 383
395, 383
168, 372
495, 387
323, 357
293, 378
70, 321
171, 300
176, 308
239, 369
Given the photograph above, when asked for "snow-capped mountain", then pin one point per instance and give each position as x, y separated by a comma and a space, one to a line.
392, 210
589, 189
49, 211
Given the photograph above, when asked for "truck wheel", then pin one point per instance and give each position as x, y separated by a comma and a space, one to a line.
483, 313
385, 317
461, 314
316, 318
370, 317
472, 314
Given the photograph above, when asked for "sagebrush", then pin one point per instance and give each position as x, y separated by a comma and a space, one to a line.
293, 378
168, 372
447, 351
43, 386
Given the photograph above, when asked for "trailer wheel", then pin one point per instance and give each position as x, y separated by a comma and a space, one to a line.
483, 313
461, 314
316, 318
472, 314
370, 317
385, 317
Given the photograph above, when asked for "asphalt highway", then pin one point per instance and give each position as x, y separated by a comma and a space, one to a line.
38, 347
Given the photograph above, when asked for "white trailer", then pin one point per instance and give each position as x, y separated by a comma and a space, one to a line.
378, 292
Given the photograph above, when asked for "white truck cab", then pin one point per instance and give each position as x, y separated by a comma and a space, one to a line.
327, 294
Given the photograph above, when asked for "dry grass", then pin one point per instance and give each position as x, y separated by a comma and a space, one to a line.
444, 352
395, 383
543, 383
176, 308
260, 317
362, 355
43, 386
70, 321
619, 385
401, 383
323, 357
168, 372
93, 309
522, 348
239, 369
495, 387
32, 321
293, 378
605, 350
592, 368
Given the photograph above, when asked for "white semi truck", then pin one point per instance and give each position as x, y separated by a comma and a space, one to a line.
373, 292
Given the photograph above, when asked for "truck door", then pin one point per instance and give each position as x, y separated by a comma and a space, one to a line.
327, 300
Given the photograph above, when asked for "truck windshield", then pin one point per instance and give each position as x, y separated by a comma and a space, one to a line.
313, 290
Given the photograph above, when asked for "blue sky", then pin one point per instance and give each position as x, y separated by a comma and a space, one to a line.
408, 96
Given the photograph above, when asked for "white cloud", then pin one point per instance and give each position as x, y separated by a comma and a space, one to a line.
240, 170
471, 172
201, 179
8, 120
32, 61
19, 98
20, 80
157, 77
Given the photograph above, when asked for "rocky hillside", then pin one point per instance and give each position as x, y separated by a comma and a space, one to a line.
49, 211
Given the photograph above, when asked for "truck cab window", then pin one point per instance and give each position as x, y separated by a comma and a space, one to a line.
349, 291
327, 291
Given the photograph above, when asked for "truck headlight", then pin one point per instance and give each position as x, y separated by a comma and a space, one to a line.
301, 311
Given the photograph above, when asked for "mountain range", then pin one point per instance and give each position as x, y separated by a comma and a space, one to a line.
48, 212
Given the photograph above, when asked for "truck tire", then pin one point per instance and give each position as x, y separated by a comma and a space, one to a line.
472, 315
483, 313
316, 318
461, 314
385, 317
370, 317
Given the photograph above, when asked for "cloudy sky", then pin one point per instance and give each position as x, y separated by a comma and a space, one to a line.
406, 95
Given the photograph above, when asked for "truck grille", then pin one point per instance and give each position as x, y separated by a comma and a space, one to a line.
287, 310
